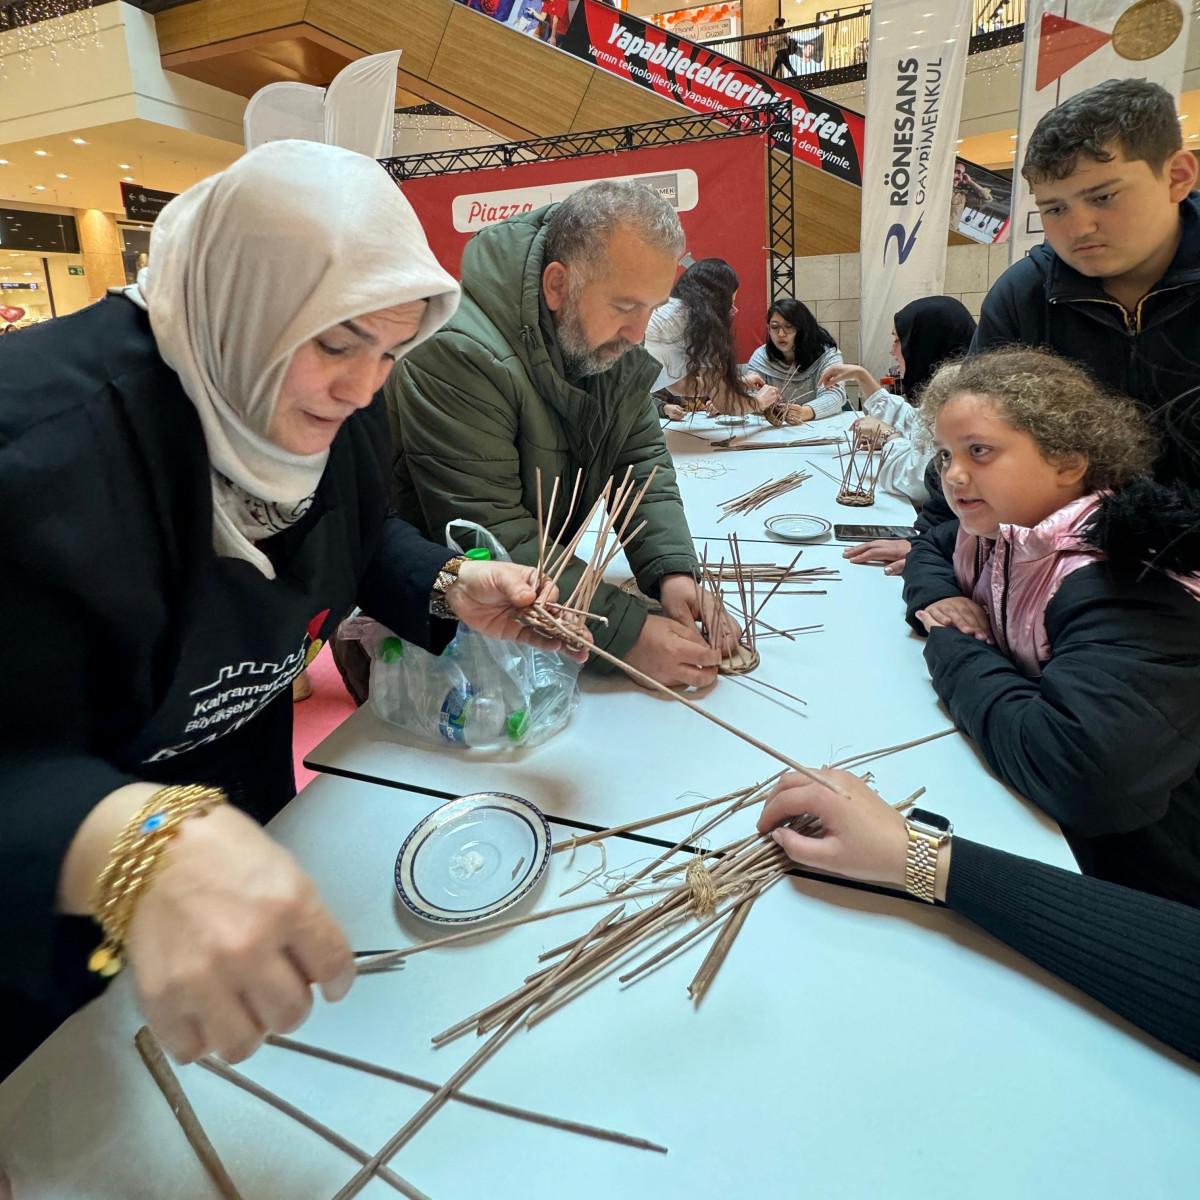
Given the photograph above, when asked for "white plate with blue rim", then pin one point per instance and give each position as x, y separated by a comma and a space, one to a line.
473, 858
797, 527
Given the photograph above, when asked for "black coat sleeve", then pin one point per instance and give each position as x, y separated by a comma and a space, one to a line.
1136, 953
1112, 728
929, 571
396, 587
935, 511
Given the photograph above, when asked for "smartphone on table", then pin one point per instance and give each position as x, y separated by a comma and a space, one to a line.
871, 533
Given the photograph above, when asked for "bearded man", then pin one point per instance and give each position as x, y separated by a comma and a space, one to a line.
542, 368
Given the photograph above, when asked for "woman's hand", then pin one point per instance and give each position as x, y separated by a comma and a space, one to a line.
753, 381
674, 412
844, 373
684, 601
227, 941
767, 397
891, 551
487, 596
862, 837
871, 431
957, 612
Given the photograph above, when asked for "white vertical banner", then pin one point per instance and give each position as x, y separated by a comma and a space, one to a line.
916, 65
1071, 45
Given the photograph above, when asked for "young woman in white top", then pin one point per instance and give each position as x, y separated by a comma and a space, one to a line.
692, 337
793, 359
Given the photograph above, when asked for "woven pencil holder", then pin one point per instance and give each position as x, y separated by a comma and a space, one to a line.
134, 862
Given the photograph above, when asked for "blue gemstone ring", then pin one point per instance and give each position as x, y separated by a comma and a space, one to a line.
153, 822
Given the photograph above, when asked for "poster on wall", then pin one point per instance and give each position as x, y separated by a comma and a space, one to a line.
916, 69
980, 203
704, 181
1071, 45
702, 24
824, 135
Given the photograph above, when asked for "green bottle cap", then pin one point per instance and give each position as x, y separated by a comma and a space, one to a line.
479, 554
518, 725
391, 650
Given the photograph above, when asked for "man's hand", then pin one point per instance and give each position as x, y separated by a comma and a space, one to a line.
674, 654
683, 600
862, 838
487, 595
227, 942
957, 612
891, 551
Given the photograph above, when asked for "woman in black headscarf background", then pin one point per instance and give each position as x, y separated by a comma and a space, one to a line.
925, 333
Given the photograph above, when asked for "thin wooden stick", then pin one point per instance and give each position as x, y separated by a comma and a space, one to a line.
336, 1140
773, 688
389, 956
828, 474
859, 759
720, 948
426, 1111
160, 1071
492, 1106
645, 822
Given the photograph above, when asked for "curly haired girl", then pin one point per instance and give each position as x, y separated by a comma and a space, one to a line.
1061, 610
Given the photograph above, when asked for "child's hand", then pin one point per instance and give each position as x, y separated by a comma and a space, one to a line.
957, 612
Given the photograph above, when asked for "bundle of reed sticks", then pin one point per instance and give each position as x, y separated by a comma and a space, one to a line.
763, 494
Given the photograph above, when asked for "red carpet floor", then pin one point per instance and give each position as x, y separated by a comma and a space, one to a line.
320, 714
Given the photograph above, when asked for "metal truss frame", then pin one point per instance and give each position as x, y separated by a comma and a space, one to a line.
773, 120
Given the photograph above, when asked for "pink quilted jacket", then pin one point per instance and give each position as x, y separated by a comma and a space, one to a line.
1016, 576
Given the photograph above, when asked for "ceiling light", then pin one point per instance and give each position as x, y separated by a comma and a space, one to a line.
41, 187
128, 178
28, 272
124, 166
3, 162
62, 176
40, 153
79, 141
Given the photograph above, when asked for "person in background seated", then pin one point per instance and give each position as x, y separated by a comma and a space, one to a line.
1116, 284
1062, 610
924, 333
541, 370
1138, 954
691, 336
792, 360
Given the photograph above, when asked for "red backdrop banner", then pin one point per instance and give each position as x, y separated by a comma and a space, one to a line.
719, 189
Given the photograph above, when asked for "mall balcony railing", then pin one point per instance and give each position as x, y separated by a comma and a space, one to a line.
833, 48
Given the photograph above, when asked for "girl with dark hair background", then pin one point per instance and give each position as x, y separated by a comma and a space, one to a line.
692, 336
795, 355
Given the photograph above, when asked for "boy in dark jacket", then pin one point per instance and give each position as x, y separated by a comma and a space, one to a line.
1116, 285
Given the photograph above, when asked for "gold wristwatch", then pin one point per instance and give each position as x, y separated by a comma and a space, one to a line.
447, 577
927, 834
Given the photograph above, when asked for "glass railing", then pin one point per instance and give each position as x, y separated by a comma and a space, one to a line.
839, 39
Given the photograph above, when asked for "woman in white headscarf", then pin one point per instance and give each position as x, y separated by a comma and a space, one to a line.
192, 488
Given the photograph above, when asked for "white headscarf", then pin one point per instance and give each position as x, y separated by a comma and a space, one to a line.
247, 266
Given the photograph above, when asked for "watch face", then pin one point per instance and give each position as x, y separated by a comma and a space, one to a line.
920, 816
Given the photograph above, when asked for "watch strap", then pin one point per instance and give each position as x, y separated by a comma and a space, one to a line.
447, 577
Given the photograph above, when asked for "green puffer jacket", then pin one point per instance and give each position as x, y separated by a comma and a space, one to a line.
481, 405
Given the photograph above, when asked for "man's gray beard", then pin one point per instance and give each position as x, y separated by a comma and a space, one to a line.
579, 358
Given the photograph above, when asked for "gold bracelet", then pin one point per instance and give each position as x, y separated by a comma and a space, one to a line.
135, 861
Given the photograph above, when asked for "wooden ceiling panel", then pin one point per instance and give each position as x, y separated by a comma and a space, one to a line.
509, 74
414, 26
